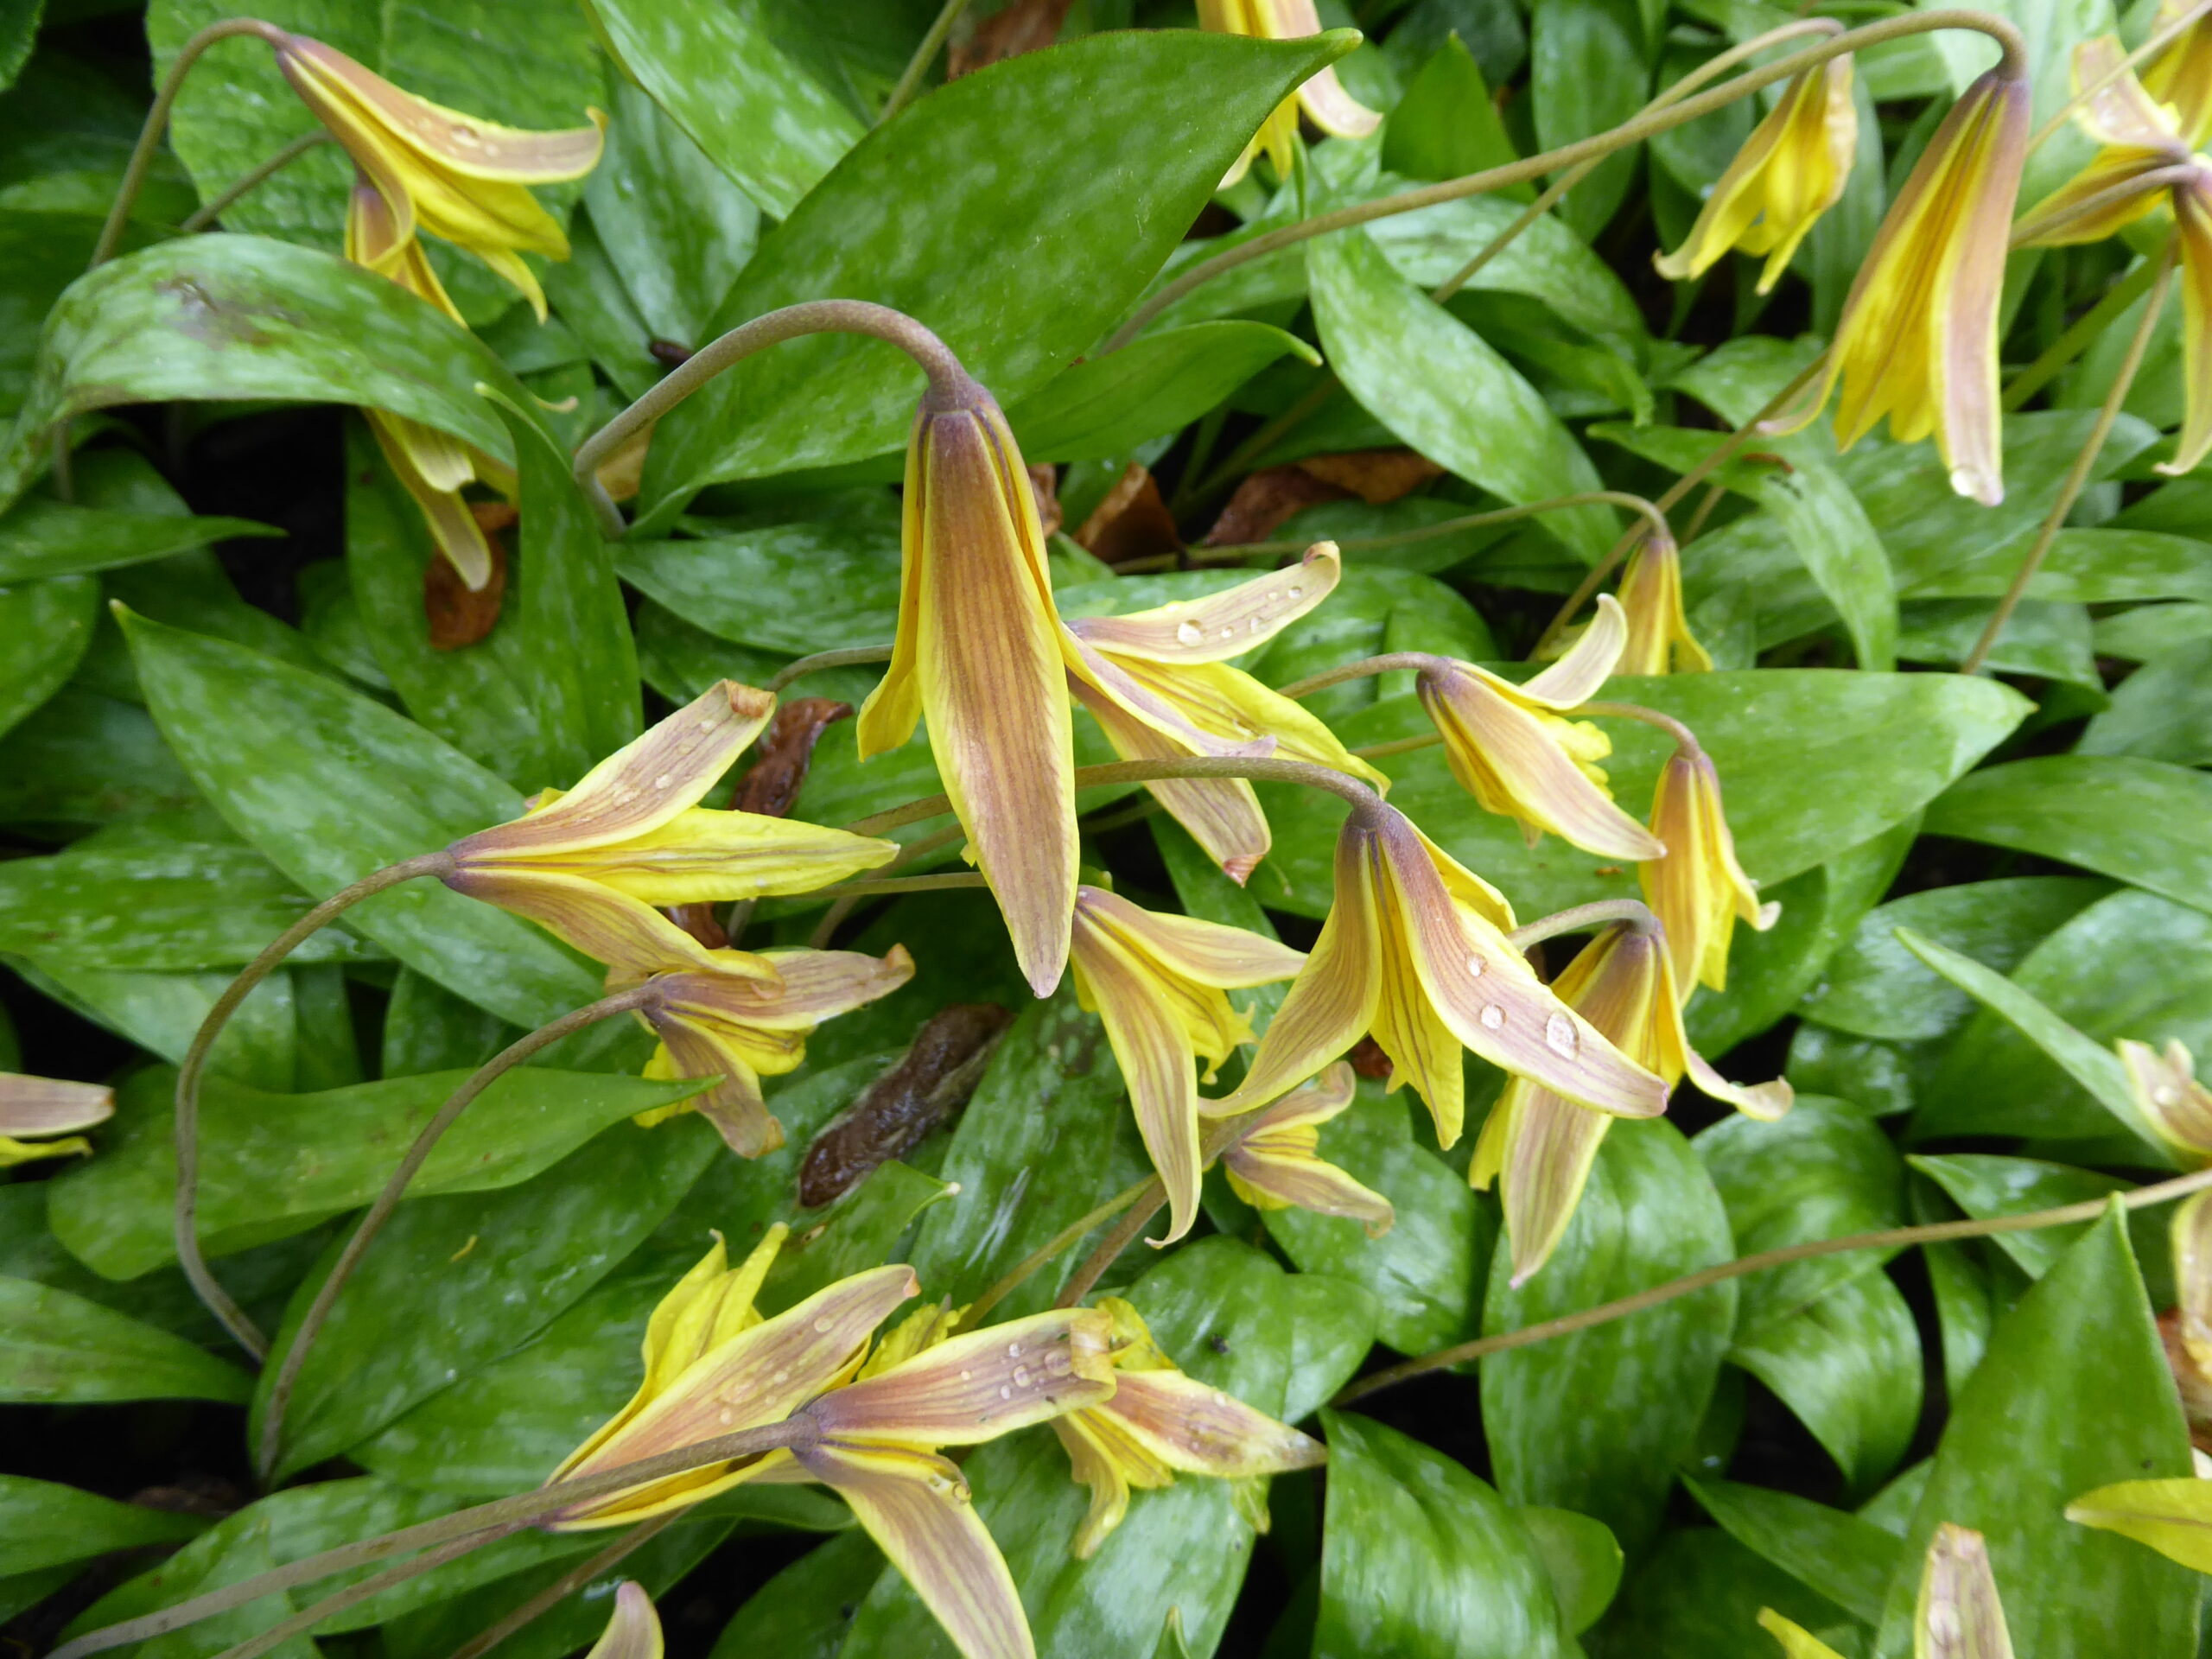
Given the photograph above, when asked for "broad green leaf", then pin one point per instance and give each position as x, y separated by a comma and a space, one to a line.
802, 1612
59, 1349
453, 1282
1698, 1598
2132, 964
330, 787
1812, 762
1016, 212
2150, 631
42, 1525
1445, 126
1973, 1284
1842, 551
162, 1013
761, 118
275, 1164
42, 537
1588, 71
1547, 262
44, 628
588, 295
2073, 1394
1876, 988
2051, 640
243, 317
428, 1028
1105, 406
1426, 1273
1420, 1557
84, 758
1984, 1186
1849, 1366
1442, 388
2160, 712
1832, 1552
1639, 1385
1582, 1559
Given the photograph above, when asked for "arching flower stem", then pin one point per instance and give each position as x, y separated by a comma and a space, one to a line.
394, 1188
204, 218
300, 1622
1582, 918
1685, 739
848, 657
1066, 1237
211, 1294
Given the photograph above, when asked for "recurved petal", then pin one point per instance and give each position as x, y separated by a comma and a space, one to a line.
631, 938
703, 855
2114, 190
1551, 1145
977, 1387
1277, 1170
32, 1105
634, 1630
1308, 1106
2122, 112
1222, 625
2167, 1091
1221, 698
1959, 1616
1797, 1642
2172, 1516
1194, 1427
1222, 814
1153, 1047
1332, 109
453, 527
1103, 1455
811, 986
1229, 958
917, 1509
643, 785
735, 1105
1576, 676
1117, 698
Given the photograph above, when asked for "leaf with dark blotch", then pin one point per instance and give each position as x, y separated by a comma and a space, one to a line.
785, 750
930, 1083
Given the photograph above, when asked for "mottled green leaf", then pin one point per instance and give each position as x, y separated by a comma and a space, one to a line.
1698, 1598
48, 538
1588, 71
1104, 407
802, 1612
44, 628
1832, 1552
42, 1524
1582, 1558
59, 1349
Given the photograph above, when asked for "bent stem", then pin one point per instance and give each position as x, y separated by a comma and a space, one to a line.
1064, 1239
205, 217
157, 121
1685, 739
567, 1584
1689, 1284
947, 378
1151, 1199
2013, 60
850, 656
218, 1300
2077, 475
372, 1222
1582, 918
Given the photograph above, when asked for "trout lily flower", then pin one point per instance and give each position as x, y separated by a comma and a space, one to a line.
979, 654
2175, 1110
2180, 74
741, 1027
1323, 97
871, 1435
1659, 637
465, 180
1510, 749
1161, 1423
1271, 1157
1540, 1148
1698, 890
1958, 1615
1917, 338
43, 1106
1160, 687
590, 865
2146, 164
1157, 984
1415, 952
1790, 170
633, 1633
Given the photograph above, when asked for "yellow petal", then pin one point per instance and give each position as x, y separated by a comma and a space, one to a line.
1576, 676
1959, 1616
811, 986
977, 1387
1103, 1455
1333, 110
1798, 1642
2172, 1516
2193, 216
634, 1630
1195, 1428
1550, 1147
51, 1105
2192, 1246
1222, 625
409, 447
2114, 190
2180, 75
1222, 814
374, 237
1698, 890
631, 938
704, 855
1659, 637
14, 1152
1272, 1163
734, 1104
2168, 1095
1228, 958
2122, 111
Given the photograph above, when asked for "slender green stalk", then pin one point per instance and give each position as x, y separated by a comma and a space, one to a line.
1151, 1199
2077, 475
372, 1222
206, 216
157, 121
203, 1285
567, 1584
1240, 459
2013, 60
1397, 746
1689, 1284
1581, 919
2081, 333
353, 1595
910, 80
848, 657
1066, 1237
2158, 38
1685, 739
1390, 662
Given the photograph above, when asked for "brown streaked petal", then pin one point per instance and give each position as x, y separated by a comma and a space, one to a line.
1332, 1001
1112, 692
704, 856
1423, 1049
1221, 698
1154, 1048
2114, 190
811, 986
634, 1630
644, 784
1103, 1456
32, 1105
1222, 625
1959, 1616
890, 713
1199, 1430
1222, 814
975, 1387
1658, 630
1228, 958
2121, 112
735, 1105
1267, 1171
1575, 677
1551, 1146
632, 939
1468, 890
917, 1509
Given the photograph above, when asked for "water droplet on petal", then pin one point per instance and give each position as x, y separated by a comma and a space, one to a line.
664, 780
727, 1415
1474, 966
1013, 1350
1020, 1377
823, 1325
967, 1376
1006, 1394
1493, 1017
1559, 1032
1298, 592
2166, 1095
1189, 633
781, 1376
1254, 625
1228, 633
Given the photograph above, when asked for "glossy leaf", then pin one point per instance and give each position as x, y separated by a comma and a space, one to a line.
61, 1349
1104, 407
2159, 712
1547, 262
1582, 1559
1831, 1552
1699, 1597
802, 1612
44, 628
1983, 1185
1849, 1366
1588, 71
48, 538
42, 1525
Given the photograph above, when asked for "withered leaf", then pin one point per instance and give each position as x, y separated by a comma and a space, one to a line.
928, 1086
1133, 522
773, 782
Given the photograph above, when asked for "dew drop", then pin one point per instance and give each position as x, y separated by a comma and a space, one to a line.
727, 1415
2166, 1095
1059, 1364
1189, 633
1022, 1378
1006, 1394
1298, 592
967, 1376
823, 1325
1013, 1350
1474, 966
781, 1376
1493, 1017
1559, 1032
1254, 625
1228, 633
664, 780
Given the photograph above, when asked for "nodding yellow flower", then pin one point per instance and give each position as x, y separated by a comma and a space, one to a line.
2179, 75
979, 652
1659, 637
1158, 984
1330, 108
1790, 170
1697, 889
1160, 688
1511, 750
2146, 162
1272, 1163
1958, 1615
741, 1027
1540, 1148
590, 865
44, 1106
633, 1631
462, 180
869, 1435
1413, 953
1918, 339
1161, 1423
2173, 1105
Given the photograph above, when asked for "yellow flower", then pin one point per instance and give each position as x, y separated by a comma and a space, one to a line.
2172, 1516
1697, 889
1160, 687
1790, 171
1540, 1148
590, 865
979, 654
2146, 164
1510, 749
1659, 637
633, 1633
2180, 74
1270, 1157
1157, 983
1160, 1423
870, 1436
1413, 953
741, 1027
459, 178
2173, 1109
1958, 1615
1333, 110
48, 1106
1918, 339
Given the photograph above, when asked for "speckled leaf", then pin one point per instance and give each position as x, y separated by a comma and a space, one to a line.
1698, 1598
1833, 1552
44, 628
1589, 70
1849, 1366
59, 1349
1983, 1185
42, 1524
802, 1612
1102, 408
49, 538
